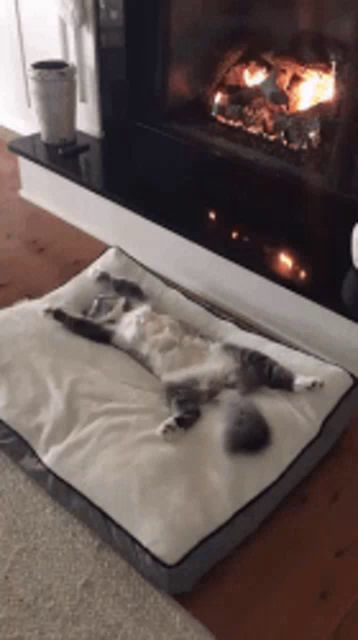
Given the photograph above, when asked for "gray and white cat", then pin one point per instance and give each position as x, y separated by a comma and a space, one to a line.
193, 369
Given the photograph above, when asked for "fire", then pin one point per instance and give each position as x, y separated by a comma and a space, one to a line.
288, 265
286, 260
277, 97
254, 75
220, 100
315, 87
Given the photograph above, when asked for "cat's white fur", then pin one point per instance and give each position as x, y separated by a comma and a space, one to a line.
173, 351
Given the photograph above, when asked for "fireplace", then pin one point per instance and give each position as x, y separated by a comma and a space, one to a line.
239, 88
233, 124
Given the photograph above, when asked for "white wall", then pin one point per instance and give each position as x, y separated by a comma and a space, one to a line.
14, 110
29, 31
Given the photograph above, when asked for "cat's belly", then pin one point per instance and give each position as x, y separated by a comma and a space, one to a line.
169, 350
185, 354
206, 362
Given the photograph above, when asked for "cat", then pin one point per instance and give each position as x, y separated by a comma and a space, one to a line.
193, 369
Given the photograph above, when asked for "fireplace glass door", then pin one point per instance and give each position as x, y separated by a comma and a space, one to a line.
266, 80
277, 77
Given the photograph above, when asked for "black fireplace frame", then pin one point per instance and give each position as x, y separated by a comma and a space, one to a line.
180, 161
147, 56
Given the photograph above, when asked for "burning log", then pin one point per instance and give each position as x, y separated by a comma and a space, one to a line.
278, 98
300, 130
272, 91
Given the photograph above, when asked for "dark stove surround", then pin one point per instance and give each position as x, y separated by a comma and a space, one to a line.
172, 55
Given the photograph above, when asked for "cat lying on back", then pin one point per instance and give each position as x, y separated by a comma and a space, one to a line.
193, 369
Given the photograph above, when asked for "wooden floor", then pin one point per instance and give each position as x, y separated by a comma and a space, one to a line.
297, 578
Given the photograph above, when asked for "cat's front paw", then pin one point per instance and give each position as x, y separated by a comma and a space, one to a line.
307, 383
98, 274
169, 430
55, 312
48, 310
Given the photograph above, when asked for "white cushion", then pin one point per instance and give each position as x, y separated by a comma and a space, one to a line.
90, 412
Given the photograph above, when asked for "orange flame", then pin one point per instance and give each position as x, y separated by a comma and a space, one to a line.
254, 75
316, 87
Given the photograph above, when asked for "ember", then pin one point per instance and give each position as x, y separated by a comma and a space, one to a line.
276, 97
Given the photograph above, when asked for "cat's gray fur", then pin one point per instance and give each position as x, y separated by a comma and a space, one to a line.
193, 369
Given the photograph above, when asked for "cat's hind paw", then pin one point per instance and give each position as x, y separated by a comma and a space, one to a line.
169, 430
307, 383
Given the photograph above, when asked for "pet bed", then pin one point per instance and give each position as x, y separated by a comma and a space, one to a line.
81, 419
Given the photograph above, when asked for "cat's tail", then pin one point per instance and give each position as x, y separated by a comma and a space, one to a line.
246, 428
